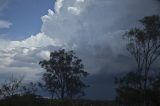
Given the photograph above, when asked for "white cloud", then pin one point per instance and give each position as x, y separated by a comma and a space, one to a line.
74, 10
5, 24
45, 18
77, 7
80, 0
26, 54
58, 5
44, 55
39, 40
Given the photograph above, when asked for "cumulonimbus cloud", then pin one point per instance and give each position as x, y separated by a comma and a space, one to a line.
93, 28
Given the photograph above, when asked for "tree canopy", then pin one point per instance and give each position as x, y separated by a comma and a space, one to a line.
63, 74
144, 46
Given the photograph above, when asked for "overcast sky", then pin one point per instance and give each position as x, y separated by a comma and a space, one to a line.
31, 29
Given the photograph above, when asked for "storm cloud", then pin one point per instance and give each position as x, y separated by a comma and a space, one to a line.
94, 28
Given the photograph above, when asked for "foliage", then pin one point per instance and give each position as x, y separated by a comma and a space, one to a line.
137, 88
144, 46
130, 91
63, 74
10, 87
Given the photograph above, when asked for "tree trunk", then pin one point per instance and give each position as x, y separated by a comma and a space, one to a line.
52, 96
62, 93
145, 87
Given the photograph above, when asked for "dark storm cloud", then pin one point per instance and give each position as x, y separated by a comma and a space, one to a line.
102, 86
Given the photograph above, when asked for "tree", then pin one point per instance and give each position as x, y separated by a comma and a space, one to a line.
11, 87
155, 90
144, 46
64, 73
130, 90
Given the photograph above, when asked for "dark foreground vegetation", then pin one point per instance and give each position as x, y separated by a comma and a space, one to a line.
32, 100
141, 86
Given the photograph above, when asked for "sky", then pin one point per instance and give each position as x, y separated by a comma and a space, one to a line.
31, 29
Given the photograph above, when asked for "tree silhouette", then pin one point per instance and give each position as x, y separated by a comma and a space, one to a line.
155, 90
63, 74
11, 87
129, 90
144, 46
